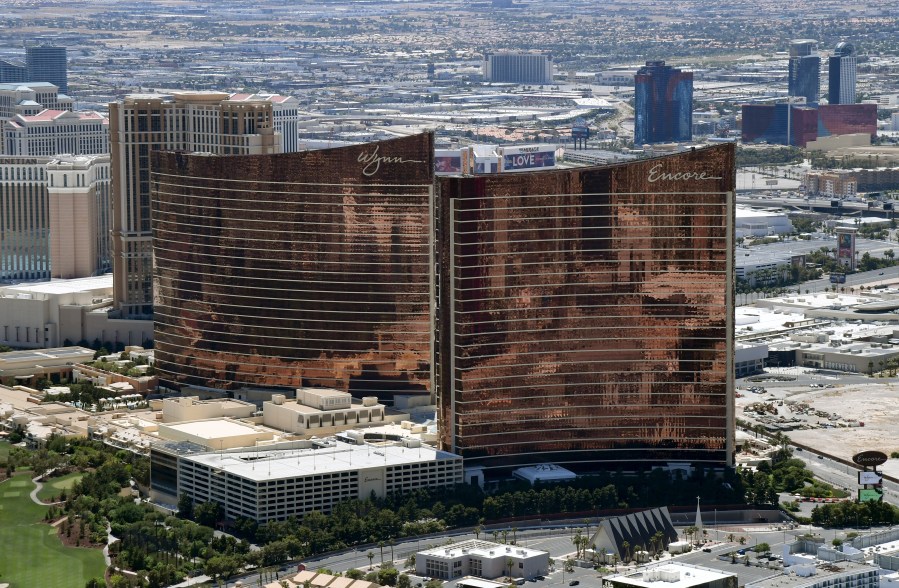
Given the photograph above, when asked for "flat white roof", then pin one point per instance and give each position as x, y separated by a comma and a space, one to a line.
337, 456
478, 582
688, 576
37, 355
324, 392
744, 212
545, 471
481, 549
214, 429
64, 286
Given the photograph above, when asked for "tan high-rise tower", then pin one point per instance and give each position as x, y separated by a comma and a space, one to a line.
78, 200
210, 122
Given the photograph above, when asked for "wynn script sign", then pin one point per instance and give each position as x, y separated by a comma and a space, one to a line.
656, 174
373, 161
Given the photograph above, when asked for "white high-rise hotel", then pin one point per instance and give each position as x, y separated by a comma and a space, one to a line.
210, 122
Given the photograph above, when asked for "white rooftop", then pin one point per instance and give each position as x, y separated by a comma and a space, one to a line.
671, 576
751, 320
546, 472
63, 286
741, 212
214, 428
481, 549
336, 457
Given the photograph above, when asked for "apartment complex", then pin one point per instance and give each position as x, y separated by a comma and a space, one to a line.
208, 122
663, 104
832, 183
585, 315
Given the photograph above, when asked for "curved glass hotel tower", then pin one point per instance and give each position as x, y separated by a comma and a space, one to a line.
586, 315
298, 269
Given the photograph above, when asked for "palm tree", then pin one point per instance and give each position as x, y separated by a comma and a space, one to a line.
477, 531
370, 555
626, 546
577, 543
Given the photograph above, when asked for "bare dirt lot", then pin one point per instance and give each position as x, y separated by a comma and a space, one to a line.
876, 404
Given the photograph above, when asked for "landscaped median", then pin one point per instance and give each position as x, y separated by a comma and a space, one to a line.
33, 554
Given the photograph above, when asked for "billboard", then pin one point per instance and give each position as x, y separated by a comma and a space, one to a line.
870, 495
486, 165
846, 248
523, 158
870, 478
451, 161
447, 164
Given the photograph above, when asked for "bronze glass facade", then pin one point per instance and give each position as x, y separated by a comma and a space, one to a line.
585, 315
299, 269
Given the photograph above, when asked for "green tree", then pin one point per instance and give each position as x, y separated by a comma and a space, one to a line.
207, 513
403, 581
185, 506
387, 576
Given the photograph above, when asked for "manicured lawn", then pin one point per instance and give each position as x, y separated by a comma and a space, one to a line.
54, 486
4, 449
32, 554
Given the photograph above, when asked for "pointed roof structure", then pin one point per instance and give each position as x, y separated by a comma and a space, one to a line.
637, 529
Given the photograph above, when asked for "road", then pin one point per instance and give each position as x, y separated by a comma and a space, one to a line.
822, 205
842, 475
873, 278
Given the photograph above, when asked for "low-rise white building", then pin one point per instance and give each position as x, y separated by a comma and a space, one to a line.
818, 574
46, 314
277, 481
191, 408
325, 411
752, 222
482, 559
673, 575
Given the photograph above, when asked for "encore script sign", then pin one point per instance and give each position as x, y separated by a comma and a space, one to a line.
656, 174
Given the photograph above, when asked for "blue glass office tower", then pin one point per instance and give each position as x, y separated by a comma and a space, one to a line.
663, 104
804, 78
45, 63
841, 75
